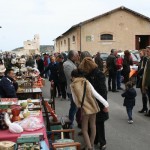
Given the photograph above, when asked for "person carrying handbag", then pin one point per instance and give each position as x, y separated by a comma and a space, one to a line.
84, 96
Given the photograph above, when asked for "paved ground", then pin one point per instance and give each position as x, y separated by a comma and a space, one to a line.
120, 135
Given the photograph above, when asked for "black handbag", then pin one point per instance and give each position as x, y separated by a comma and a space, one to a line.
84, 91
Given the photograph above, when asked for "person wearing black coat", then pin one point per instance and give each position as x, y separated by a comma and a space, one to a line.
140, 78
97, 79
53, 67
40, 64
62, 80
30, 62
99, 61
127, 62
129, 100
112, 69
8, 86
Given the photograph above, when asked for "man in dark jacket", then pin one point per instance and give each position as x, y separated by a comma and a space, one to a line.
40, 64
53, 67
30, 62
112, 68
8, 86
61, 77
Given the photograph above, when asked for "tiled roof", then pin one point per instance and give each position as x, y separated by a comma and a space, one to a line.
102, 15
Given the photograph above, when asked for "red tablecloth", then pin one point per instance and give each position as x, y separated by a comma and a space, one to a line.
6, 135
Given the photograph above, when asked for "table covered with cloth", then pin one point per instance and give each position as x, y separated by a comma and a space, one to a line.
6, 135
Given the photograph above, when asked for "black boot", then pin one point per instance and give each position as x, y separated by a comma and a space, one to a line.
148, 114
143, 110
109, 89
144, 101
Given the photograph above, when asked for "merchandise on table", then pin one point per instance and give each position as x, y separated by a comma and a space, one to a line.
7, 145
31, 124
29, 142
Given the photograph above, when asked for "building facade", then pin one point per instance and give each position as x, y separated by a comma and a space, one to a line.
120, 29
32, 46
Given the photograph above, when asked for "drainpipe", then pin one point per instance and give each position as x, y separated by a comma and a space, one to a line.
80, 38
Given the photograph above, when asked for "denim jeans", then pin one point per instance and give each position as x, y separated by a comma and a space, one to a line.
73, 108
118, 79
47, 73
129, 112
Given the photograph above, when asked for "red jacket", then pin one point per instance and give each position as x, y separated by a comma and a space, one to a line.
119, 62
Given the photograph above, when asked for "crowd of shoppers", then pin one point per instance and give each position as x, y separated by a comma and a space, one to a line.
81, 78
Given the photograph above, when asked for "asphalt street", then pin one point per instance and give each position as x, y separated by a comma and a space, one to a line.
119, 134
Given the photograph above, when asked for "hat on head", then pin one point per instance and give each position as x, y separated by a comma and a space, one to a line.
2, 68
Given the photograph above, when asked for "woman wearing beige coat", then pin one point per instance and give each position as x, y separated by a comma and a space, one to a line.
90, 106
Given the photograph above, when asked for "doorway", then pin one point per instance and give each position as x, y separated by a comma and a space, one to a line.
142, 41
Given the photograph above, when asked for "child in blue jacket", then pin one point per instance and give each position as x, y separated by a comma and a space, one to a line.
129, 100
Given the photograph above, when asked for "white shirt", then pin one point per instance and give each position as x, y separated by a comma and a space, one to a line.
95, 94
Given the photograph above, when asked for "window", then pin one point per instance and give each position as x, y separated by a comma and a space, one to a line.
65, 42
106, 37
73, 38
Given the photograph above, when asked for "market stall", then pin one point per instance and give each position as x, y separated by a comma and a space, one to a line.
23, 122
30, 83
29, 93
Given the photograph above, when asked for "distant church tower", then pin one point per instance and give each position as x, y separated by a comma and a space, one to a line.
37, 41
32, 46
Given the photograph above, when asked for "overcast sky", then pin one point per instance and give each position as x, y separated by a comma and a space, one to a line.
21, 19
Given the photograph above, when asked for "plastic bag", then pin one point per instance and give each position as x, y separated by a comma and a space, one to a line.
31, 124
15, 128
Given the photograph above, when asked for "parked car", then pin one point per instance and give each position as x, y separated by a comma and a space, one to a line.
135, 56
104, 56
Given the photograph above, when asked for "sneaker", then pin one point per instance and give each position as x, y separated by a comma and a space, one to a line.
130, 121
103, 147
